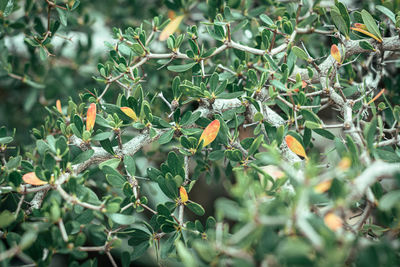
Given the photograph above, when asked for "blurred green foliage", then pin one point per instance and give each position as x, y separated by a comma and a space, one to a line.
326, 196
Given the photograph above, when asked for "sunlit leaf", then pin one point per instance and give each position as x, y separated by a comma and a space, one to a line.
31, 178
376, 97
323, 186
333, 221
335, 53
130, 113
210, 132
183, 194
171, 28
295, 146
91, 117
344, 164
58, 105
366, 33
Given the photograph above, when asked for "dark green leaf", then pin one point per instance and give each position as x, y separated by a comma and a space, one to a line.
195, 208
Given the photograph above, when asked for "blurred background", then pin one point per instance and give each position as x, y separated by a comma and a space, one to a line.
32, 78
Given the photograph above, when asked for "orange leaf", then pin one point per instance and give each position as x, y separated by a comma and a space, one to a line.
58, 105
303, 84
335, 53
171, 14
91, 116
31, 178
183, 194
295, 146
366, 33
129, 112
323, 186
210, 133
376, 97
171, 28
333, 221
360, 26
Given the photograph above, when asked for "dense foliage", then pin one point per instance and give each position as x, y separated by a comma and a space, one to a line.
239, 133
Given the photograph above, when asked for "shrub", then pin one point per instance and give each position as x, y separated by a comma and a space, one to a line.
282, 115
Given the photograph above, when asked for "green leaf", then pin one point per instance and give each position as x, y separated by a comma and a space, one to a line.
366, 45
27, 239
387, 12
279, 85
42, 53
130, 165
122, 218
216, 155
369, 21
75, 5
300, 53
168, 246
310, 116
181, 68
345, 14
185, 255
9, 8
6, 140
339, 21
139, 250
233, 95
264, 18
106, 145
195, 208
6, 218
113, 163
312, 125
390, 200
139, 237
325, 133
352, 148
83, 156
101, 136
369, 133
166, 137
168, 186
271, 62
62, 14
116, 181
256, 144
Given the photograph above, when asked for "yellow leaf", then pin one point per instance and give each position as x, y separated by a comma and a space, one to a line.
129, 112
31, 178
366, 33
183, 194
58, 105
323, 186
91, 116
295, 146
335, 53
376, 97
333, 221
345, 163
210, 133
171, 28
